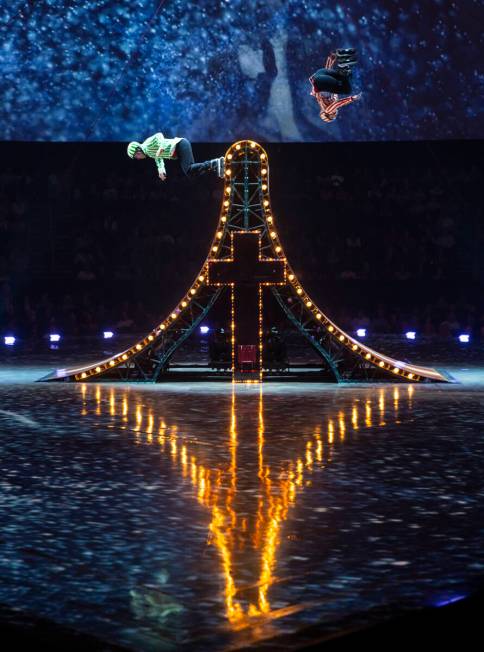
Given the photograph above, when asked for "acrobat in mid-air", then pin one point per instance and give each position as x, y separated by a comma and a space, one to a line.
329, 83
160, 148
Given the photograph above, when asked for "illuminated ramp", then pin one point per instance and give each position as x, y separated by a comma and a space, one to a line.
247, 260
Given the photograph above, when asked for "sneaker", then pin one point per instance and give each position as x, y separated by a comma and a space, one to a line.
345, 58
348, 53
346, 70
220, 167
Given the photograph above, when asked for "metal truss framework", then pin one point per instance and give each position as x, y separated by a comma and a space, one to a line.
246, 206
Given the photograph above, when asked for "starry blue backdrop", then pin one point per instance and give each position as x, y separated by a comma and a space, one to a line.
117, 70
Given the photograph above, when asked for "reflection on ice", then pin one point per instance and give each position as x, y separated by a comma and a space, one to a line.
245, 521
214, 516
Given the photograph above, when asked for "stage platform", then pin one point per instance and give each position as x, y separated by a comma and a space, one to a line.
212, 516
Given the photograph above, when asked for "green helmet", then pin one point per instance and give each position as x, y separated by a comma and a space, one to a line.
133, 148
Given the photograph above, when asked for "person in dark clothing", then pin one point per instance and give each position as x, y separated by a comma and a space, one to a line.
160, 148
333, 80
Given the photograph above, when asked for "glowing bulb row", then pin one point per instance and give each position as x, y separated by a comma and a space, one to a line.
222, 232
122, 358
215, 248
343, 338
235, 150
218, 240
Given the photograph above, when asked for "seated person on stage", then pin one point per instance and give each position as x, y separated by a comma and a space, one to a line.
160, 148
332, 81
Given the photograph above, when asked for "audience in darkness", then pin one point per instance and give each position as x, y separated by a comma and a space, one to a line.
84, 253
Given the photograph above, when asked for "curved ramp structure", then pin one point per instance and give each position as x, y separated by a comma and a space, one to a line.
246, 217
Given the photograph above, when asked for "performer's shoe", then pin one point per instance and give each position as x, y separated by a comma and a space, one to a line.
219, 166
345, 59
216, 165
346, 70
348, 53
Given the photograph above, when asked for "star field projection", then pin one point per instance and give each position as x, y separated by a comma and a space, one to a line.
219, 71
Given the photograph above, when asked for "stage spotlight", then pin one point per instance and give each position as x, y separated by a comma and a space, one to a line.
450, 600
54, 337
108, 335
204, 330
9, 340
410, 335
361, 332
464, 337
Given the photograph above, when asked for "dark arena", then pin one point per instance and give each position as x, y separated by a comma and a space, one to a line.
241, 325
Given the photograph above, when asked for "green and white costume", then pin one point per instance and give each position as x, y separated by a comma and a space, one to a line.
159, 148
156, 147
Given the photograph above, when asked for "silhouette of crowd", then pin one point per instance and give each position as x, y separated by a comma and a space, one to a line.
113, 247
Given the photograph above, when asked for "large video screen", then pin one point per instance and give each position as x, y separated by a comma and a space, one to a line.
209, 70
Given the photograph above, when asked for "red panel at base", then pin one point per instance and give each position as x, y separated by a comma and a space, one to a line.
247, 354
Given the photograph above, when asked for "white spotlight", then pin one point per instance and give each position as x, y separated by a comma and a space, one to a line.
204, 330
361, 332
54, 337
464, 337
9, 340
108, 335
410, 335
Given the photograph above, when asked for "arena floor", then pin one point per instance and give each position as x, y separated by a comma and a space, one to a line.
211, 517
